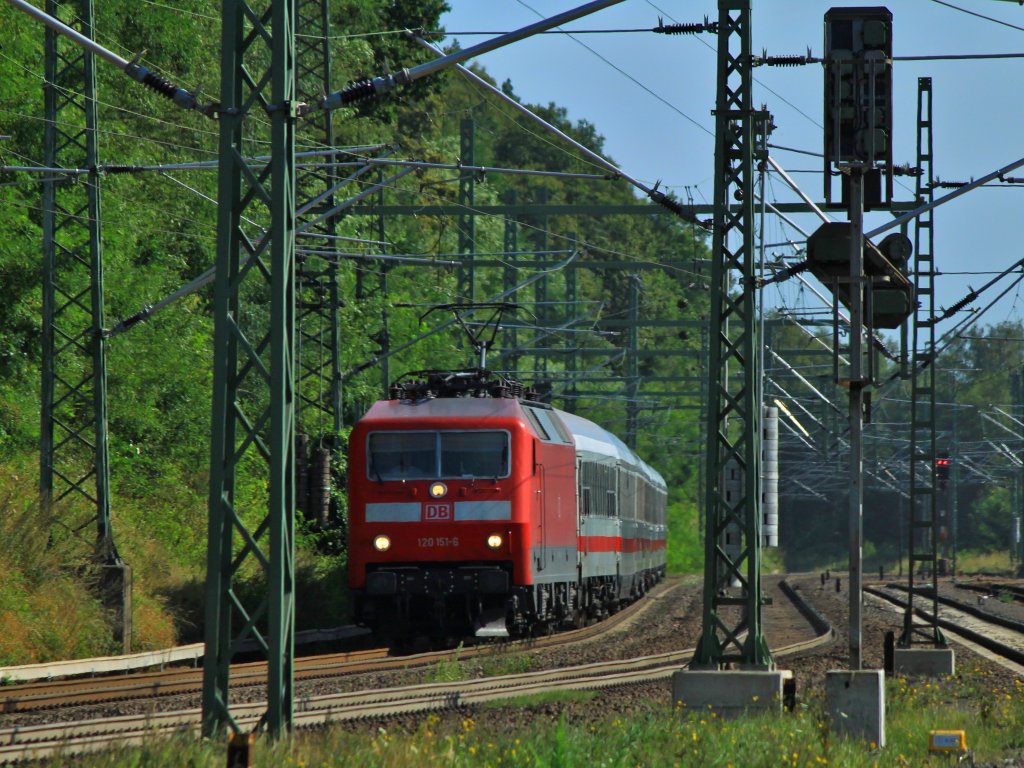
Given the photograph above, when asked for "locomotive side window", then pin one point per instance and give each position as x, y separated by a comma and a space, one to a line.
547, 426
552, 426
403, 455
474, 454
531, 416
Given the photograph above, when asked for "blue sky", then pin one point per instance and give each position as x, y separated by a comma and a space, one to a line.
978, 108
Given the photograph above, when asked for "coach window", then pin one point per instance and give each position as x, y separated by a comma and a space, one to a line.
586, 475
585, 504
627, 494
474, 454
604, 501
612, 511
402, 455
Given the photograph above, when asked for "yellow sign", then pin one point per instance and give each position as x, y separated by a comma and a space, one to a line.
947, 741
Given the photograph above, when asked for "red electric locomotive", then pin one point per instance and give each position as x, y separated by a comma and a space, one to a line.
475, 509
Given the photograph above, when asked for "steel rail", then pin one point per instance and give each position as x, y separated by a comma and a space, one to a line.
952, 629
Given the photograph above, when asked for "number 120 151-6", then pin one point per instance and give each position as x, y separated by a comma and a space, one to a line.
438, 541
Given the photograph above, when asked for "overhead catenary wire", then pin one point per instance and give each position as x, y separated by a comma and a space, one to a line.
133, 69
589, 245
911, 215
652, 192
663, 100
979, 15
448, 323
950, 336
878, 342
1000, 425
1012, 418
206, 277
194, 165
334, 256
475, 169
973, 295
471, 33
369, 88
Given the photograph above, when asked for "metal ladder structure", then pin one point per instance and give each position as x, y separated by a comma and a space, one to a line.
922, 543
467, 215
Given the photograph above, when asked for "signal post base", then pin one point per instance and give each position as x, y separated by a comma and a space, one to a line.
732, 693
856, 704
924, 662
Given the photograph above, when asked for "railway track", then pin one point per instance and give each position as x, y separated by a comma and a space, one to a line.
41, 695
1002, 638
37, 741
29, 697
995, 589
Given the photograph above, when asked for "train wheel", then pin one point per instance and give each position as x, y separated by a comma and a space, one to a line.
545, 628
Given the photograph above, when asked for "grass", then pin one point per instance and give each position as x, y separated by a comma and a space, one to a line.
496, 662
49, 607
984, 562
47, 611
447, 670
541, 699
987, 709
500, 661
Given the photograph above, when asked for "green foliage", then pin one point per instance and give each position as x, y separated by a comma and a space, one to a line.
686, 544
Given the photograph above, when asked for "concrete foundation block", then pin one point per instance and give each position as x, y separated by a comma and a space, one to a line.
924, 662
730, 693
856, 704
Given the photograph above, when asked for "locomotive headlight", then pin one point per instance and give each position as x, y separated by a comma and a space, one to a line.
438, 490
382, 543
494, 541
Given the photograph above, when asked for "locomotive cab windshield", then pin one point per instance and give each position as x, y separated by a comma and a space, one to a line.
426, 455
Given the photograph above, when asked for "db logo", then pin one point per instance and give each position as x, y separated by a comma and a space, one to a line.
434, 512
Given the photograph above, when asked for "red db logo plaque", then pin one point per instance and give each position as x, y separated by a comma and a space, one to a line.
437, 512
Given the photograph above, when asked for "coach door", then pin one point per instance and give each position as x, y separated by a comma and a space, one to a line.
540, 515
